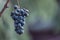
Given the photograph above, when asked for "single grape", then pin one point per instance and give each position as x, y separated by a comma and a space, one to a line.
19, 31
18, 10
26, 14
26, 10
21, 18
17, 13
12, 13
13, 17
22, 12
16, 6
19, 24
16, 21
16, 17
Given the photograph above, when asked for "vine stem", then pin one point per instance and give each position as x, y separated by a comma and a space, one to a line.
18, 3
3, 9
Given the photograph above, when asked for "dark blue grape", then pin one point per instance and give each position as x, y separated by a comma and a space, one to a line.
19, 31
13, 17
22, 12
16, 17
17, 13
16, 21
15, 25
18, 10
16, 7
26, 14
21, 18
26, 10
21, 22
12, 13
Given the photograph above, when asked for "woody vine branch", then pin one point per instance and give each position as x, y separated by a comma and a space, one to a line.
3, 9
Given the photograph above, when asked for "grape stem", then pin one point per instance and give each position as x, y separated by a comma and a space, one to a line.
3, 9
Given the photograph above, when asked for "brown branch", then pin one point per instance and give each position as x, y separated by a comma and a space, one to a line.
5, 6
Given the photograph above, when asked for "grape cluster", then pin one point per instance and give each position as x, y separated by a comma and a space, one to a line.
18, 15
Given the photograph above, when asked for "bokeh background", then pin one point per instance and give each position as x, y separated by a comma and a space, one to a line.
39, 9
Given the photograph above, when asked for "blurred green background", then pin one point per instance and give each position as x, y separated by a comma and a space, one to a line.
45, 8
